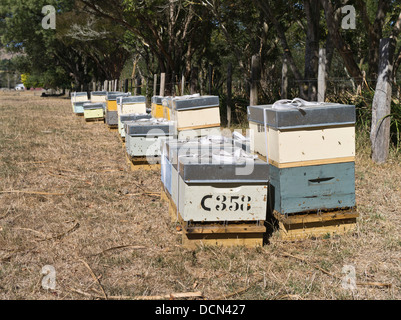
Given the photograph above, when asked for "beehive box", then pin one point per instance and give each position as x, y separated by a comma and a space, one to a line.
157, 107
212, 191
111, 113
166, 102
98, 96
173, 149
195, 112
127, 105
313, 135
79, 107
93, 111
312, 188
143, 137
129, 117
78, 97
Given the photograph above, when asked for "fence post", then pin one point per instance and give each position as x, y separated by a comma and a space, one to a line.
182, 85
321, 84
138, 86
210, 79
284, 79
255, 78
381, 106
194, 79
229, 92
162, 84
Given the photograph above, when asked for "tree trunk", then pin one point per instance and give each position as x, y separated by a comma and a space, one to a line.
312, 10
381, 107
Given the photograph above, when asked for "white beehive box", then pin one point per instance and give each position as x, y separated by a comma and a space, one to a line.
172, 149
127, 118
216, 192
316, 134
79, 97
98, 96
143, 137
195, 112
136, 104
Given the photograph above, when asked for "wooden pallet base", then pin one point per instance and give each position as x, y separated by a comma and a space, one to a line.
112, 128
248, 234
316, 225
141, 163
79, 114
94, 120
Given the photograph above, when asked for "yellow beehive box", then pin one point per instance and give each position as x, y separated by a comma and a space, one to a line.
157, 107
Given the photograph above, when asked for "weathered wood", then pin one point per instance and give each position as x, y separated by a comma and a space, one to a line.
229, 93
182, 85
162, 84
255, 78
210, 79
381, 107
284, 79
194, 80
155, 84
138, 86
321, 95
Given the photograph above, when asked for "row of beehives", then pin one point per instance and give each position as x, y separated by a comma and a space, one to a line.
307, 163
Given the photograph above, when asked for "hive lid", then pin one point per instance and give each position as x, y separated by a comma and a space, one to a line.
80, 94
157, 99
99, 93
194, 102
80, 103
92, 106
148, 127
112, 96
235, 166
134, 116
135, 99
286, 116
175, 148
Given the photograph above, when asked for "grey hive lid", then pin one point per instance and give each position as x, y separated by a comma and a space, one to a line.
157, 99
134, 116
111, 96
81, 103
207, 170
325, 114
173, 148
80, 94
148, 127
195, 102
92, 106
99, 93
134, 99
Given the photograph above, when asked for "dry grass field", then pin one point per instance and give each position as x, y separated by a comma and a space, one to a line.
69, 200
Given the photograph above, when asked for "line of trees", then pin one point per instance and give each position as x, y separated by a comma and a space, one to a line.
98, 40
